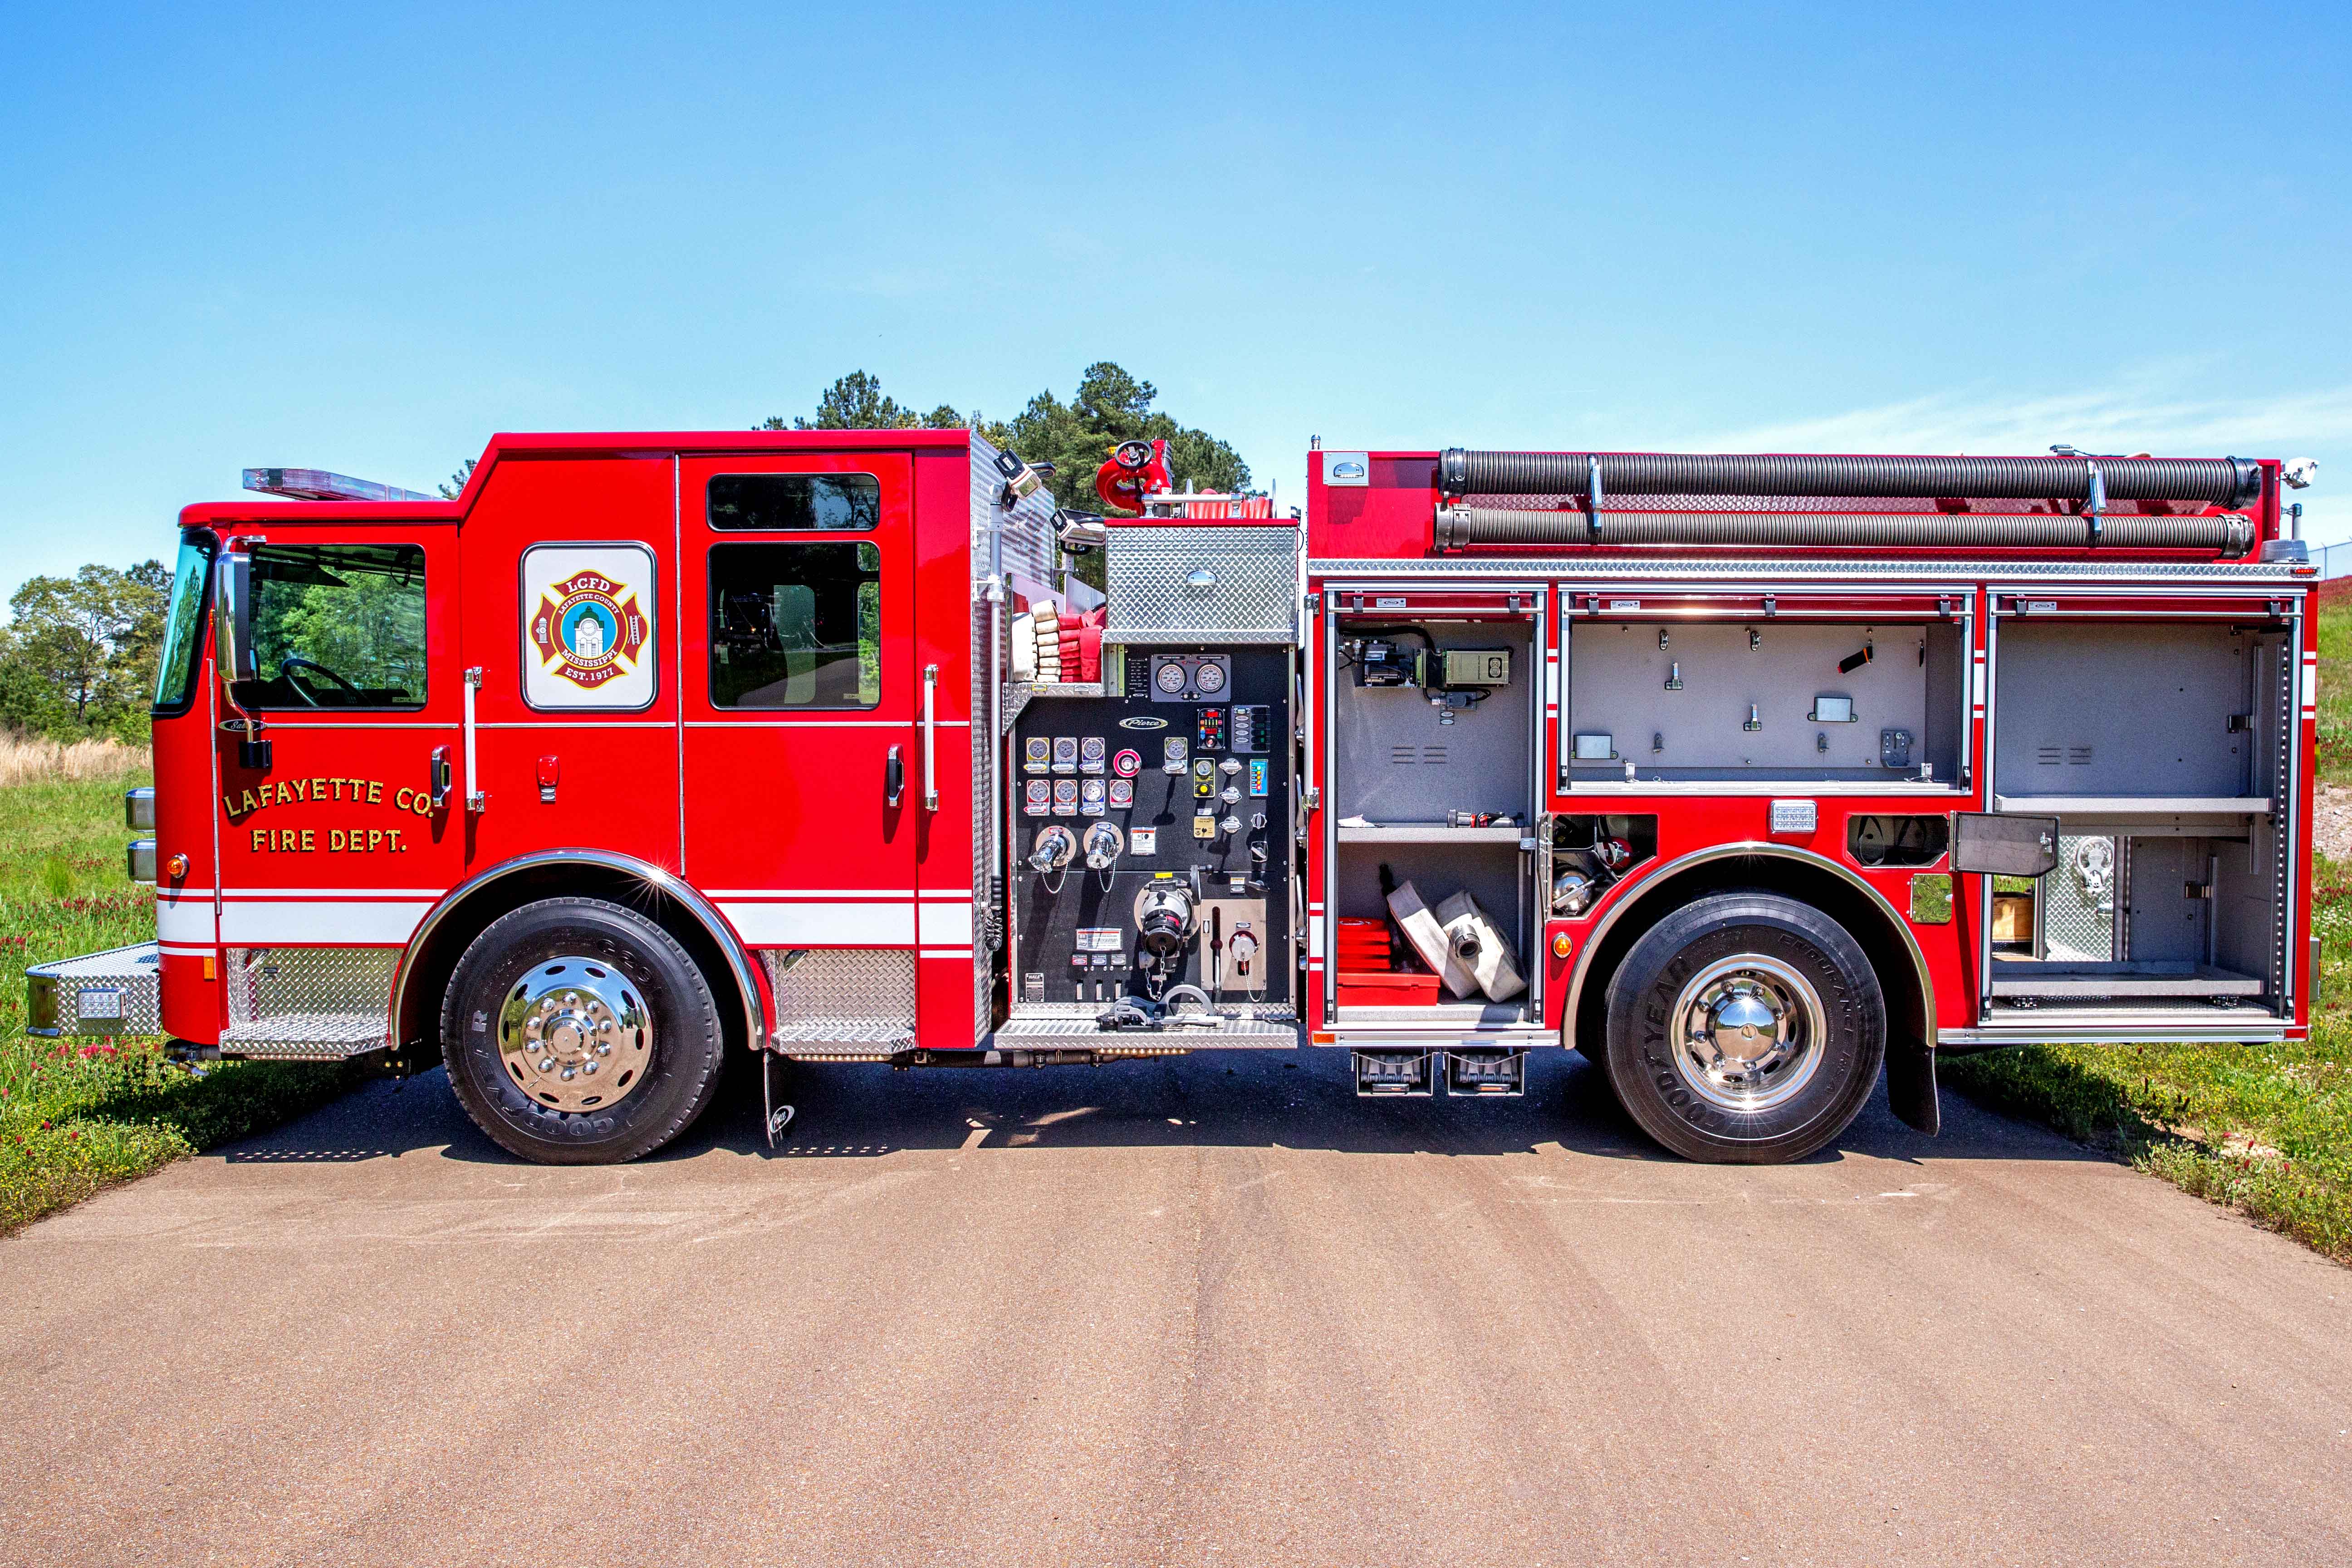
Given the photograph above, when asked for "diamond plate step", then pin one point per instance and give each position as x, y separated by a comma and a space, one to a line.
1072, 1032
306, 1036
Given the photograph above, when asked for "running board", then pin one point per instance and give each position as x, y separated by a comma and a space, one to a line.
305, 1037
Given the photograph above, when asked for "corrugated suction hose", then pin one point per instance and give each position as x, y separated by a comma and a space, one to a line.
2215, 481
1459, 527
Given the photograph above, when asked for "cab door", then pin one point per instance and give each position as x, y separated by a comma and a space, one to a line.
334, 835
804, 768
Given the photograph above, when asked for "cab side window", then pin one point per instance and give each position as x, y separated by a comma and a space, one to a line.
796, 625
795, 503
338, 626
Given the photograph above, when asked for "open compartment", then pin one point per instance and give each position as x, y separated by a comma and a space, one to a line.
1773, 700
1432, 779
2159, 751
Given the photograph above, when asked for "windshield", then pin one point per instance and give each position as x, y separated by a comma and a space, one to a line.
183, 633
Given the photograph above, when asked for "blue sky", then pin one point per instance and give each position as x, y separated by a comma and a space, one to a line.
315, 236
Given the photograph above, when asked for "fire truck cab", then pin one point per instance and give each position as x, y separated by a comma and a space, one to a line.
1743, 775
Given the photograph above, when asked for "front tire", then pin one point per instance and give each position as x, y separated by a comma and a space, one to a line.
580, 1033
1745, 1028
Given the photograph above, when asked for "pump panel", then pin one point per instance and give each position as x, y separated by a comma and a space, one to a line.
1179, 871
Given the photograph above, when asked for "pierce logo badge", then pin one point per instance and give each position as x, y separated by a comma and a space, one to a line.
589, 629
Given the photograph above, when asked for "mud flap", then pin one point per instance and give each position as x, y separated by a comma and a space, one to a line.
1911, 1086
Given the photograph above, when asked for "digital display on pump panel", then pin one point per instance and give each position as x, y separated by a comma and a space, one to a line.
588, 625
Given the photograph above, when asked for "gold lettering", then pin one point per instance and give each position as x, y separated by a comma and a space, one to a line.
375, 792
317, 790
395, 834
248, 806
308, 845
335, 839
424, 806
400, 798
257, 838
375, 836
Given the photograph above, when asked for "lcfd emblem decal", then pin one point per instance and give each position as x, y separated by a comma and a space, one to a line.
591, 626
588, 630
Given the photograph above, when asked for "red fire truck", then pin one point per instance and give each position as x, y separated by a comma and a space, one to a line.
1742, 775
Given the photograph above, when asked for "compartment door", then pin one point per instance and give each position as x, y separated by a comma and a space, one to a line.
1534, 683
805, 777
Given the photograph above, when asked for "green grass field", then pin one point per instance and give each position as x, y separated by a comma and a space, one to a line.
77, 1114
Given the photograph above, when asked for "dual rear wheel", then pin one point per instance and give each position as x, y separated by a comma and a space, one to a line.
1745, 1028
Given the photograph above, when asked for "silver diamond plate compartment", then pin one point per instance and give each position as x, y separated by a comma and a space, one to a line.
109, 992
1202, 585
841, 1001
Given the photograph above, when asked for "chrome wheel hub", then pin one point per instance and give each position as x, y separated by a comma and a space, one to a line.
1746, 1032
574, 1034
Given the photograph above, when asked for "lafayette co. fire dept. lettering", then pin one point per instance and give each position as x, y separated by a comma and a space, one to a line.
326, 790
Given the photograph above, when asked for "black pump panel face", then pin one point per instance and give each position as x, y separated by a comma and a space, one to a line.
1199, 785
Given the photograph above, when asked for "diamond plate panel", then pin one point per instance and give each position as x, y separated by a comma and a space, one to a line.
1018, 540
269, 983
2078, 916
853, 997
1250, 596
56, 991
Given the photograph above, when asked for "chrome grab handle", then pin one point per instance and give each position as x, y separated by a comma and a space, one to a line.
894, 777
930, 725
476, 799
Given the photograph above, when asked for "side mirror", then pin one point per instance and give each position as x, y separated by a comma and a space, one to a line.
233, 618
2004, 845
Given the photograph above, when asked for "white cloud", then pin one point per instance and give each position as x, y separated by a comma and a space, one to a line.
2170, 413
2123, 419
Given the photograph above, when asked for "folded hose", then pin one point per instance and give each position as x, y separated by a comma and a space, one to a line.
2214, 481
1460, 527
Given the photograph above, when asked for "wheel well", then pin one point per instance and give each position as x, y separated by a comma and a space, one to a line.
426, 976
1882, 941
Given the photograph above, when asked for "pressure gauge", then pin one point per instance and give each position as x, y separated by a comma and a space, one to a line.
1209, 678
1171, 678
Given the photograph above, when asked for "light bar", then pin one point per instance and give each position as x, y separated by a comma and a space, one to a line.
317, 484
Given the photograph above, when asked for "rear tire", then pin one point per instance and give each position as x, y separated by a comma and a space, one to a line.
1745, 1028
580, 1033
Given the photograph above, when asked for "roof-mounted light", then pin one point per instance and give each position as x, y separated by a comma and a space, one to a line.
318, 484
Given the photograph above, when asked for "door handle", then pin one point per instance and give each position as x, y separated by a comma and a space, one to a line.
894, 777
441, 776
476, 799
930, 725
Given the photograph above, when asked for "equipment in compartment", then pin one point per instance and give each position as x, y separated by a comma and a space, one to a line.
1168, 897
1589, 854
1785, 700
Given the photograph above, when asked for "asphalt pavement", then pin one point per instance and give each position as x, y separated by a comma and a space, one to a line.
1207, 1311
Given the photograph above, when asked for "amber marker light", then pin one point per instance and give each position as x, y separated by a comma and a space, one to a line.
1562, 944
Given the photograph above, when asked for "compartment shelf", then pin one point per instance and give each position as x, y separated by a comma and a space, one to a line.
2025, 977
2128, 805
1431, 833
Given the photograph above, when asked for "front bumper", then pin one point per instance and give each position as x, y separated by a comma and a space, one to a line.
117, 992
